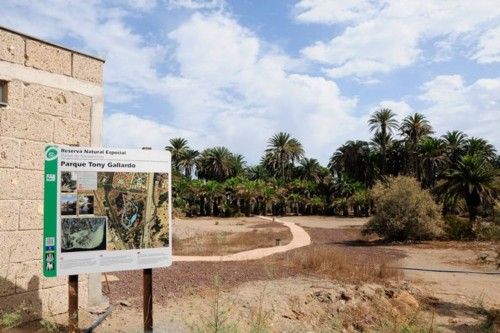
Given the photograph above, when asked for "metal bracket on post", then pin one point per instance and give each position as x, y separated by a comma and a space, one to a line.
73, 303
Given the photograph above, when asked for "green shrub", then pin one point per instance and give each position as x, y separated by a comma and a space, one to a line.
488, 232
11, 319
404, 211
457, 228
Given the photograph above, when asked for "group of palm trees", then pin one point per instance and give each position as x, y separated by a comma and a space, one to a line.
460, 171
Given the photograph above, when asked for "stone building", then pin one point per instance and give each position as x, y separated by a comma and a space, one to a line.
48, 94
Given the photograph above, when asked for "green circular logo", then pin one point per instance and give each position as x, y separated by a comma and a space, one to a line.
51, 153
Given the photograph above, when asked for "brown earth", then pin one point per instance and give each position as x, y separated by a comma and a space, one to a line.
297, 291
202, 237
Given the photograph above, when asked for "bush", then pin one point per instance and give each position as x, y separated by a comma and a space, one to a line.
488, 232
404, 211
458, 228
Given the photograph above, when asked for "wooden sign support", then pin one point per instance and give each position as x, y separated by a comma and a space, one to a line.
147, 310
147, 293
73, 303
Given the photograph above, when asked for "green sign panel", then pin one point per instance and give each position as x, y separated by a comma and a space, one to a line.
50, 217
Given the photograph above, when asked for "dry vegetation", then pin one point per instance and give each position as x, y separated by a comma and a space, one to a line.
222, 243
337, 264
385, 314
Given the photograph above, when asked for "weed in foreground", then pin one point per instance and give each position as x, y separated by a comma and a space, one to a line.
218, 320
260, 318
491, 322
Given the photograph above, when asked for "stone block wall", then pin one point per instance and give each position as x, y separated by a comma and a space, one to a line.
54, 95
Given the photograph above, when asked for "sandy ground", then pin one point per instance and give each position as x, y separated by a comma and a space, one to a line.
300, 304
186, 228
184, 292
300, 238
451, 287
327, 222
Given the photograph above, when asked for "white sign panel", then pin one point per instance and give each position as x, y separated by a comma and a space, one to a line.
106, 210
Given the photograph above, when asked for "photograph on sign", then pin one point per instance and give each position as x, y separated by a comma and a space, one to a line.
109, 210
83, 234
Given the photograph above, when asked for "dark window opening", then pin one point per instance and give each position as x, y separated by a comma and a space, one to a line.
3, 93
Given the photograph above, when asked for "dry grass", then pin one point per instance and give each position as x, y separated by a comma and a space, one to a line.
385, 315
222, 243
336, 264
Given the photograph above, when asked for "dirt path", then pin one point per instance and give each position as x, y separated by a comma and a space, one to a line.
300, 238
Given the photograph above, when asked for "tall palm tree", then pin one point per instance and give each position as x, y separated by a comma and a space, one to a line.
454, 144
356, 160
472, 179
177, 147
431, 159
414, 128
238, 165
397, 158
383, 122
257, 172
283, 150
187, 160
478, 146
215, 163
310, 169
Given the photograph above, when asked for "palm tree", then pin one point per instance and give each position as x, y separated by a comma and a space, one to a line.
431, 159
187, 160
215, 163
282, 150
212, 190
238, 165
356, 160
414, 128
397, 158
478, 146
382, 123
454, 143
472, 179
310, 169
257, 172
177, 147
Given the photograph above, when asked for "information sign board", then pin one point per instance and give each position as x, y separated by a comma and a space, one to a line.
106, 210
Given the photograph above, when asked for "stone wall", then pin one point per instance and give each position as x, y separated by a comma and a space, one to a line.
54, 95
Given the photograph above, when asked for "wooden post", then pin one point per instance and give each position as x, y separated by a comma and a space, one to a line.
147, 293
73, 303
148, 299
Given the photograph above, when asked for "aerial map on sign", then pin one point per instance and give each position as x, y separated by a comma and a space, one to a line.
134, 205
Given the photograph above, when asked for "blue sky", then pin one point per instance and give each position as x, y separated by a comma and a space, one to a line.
233, 73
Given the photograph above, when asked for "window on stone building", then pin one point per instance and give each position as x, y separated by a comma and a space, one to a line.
3, 93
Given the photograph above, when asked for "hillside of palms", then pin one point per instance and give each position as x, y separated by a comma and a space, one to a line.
459, 171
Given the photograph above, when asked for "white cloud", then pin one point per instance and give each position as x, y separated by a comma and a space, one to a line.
140, 132
392, 37
332, 12
196, 4
145, 5
488, 50
234, 85
400, 108
452, 104
100, 30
